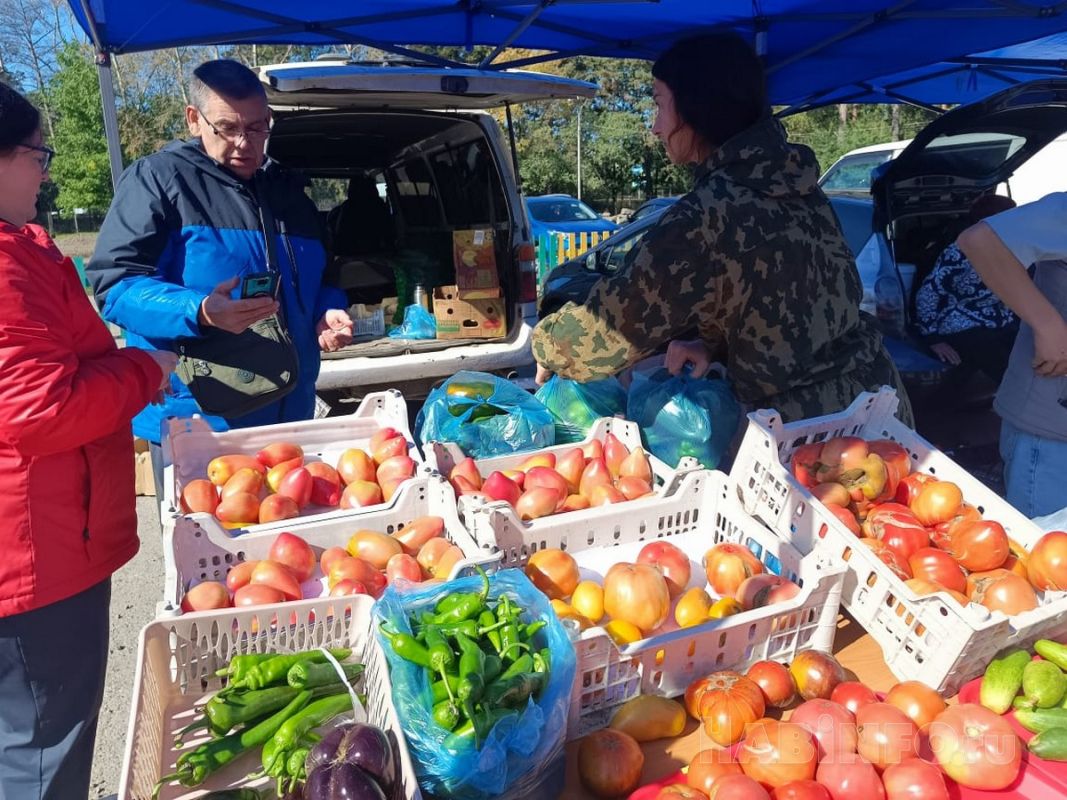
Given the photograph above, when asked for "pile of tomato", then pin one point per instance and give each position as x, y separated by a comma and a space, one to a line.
922, 528
842, 742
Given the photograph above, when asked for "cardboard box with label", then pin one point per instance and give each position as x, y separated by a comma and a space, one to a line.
468, 318
474, 259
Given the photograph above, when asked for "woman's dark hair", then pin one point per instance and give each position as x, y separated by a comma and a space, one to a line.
718, 84
18, 119
987, 205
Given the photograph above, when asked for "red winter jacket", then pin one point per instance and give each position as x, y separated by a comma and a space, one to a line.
67, 395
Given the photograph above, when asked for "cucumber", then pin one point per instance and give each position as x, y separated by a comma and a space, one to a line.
1050, 745
1003, 678
1044, 684
1039, 720
1052, 651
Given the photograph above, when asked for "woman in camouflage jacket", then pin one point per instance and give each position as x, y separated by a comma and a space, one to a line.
752, 258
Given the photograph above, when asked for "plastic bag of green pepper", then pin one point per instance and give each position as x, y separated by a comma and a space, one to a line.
576, 406
481, 671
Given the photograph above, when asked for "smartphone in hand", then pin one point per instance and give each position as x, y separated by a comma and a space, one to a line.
261, 284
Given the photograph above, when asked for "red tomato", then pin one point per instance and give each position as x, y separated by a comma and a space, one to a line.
850, 777
293, 552
1047, 564
257, 595
978, 545
239, 575
976, 747
835, 493
1001, 590
805, 462
919, 702
206, 596
356, 569
897, 528
908, 488
847, 518
346, 587
680, 791
727, 566
774, 681
776, 753
885, 735
832, 725
671, 562
801, 790
816, 674
914, 779
404, 567
897, 565
853, 695
330, 556
710, 765
765, 589
737, 787
271, 573
938, 501
939, 567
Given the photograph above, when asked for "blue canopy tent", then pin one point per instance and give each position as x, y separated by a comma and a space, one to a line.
809, 46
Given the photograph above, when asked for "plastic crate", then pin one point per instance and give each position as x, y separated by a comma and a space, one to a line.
189, 444
442, 457
176, 664
700, 511
199, 549
931, 638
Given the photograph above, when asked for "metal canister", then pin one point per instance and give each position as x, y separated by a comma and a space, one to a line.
419, 297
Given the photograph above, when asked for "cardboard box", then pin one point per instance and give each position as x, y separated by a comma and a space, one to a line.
474, 258
144, 481
460, 318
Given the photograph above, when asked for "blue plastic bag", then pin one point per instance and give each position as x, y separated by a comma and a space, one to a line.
418, 324
516, 744
485, 416
682, 416
576, 406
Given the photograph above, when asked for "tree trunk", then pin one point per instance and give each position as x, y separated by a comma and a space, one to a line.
181, 75
894, 121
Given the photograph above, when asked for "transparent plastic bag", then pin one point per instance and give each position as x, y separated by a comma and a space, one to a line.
517, 744
576, 406
485, 416
418, 324
682, 416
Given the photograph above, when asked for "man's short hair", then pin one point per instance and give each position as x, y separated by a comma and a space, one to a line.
989, 204
226, 78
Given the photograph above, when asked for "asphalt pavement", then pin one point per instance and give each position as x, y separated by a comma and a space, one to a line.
135, 591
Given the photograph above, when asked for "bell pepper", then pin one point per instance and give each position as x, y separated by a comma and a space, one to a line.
470, 390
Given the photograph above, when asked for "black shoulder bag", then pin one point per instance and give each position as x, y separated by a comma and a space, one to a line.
233, 374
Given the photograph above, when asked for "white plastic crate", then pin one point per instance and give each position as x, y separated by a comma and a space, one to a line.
199, 549
176, 664
700, 512
442, 457
189, 445
930, 638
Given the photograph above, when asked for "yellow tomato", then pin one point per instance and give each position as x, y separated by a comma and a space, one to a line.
647, 717
623, 632
565, 611
588, 600
724, 607
693, 608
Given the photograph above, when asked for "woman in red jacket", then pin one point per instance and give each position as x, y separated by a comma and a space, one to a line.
67, 513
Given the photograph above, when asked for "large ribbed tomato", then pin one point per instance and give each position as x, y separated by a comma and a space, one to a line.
728, 565
976, 747
727, 703
1047, 563
1001, 590
776, 753
638, 594
978, 545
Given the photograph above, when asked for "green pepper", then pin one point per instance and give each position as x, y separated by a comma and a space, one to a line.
405, 646
506, 611
515, 691
241, 664
475, 729
444, 688
510, 646
446, 714
223, 713
448, 602
289, 736
194, 767
477, 412
531, 630
309, 676
488, 626
524, 663
468, 627
274, 670
493, 666
542, 660
441, 655
470, 390
469, 607
471, 669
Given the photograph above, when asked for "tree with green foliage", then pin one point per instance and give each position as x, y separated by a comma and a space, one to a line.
81, 170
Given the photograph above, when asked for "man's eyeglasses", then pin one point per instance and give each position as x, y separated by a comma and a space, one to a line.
234, 133
45, 159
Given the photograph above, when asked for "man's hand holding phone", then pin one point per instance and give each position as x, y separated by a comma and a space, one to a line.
234, 316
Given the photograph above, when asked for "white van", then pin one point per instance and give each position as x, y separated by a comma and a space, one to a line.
418, 155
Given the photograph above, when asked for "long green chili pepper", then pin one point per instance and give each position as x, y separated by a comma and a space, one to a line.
515, 691
274, 670
223, 713
195, 766
309, 676
446, 714
532, 628
240, 665
405, 646
471, 669
509, 641
542, 660
470, 606
468, 628
443, 689
473, 731
294, 729
524, 663
441, 655
488, 626
448, 602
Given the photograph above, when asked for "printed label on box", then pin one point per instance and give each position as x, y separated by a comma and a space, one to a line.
474, 258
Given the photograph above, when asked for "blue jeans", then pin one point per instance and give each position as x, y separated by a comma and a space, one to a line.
52, 665
1034, 470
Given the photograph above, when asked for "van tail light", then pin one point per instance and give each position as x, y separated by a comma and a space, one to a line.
526, 255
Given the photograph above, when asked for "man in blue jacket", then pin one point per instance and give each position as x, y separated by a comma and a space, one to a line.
185, 227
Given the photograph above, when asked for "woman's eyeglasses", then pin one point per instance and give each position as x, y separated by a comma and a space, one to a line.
47, 154
234, 133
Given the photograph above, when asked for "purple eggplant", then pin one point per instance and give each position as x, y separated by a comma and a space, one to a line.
358, 745
341, 781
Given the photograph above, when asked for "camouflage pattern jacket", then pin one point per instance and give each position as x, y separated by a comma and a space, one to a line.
753, 259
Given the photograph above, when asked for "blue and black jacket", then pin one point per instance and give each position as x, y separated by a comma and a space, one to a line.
179, 225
